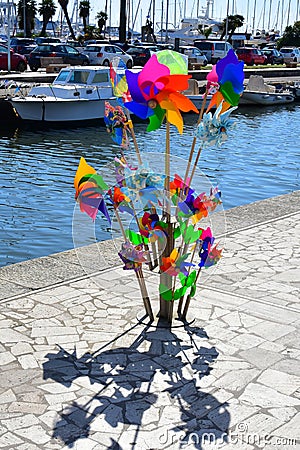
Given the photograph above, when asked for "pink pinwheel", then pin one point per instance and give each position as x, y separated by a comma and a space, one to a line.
156, 93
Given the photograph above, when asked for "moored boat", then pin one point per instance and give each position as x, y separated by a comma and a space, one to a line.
257, 92
77, 94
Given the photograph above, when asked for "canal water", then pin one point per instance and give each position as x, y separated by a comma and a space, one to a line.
259, 160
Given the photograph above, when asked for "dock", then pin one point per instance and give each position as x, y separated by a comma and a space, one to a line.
80, 370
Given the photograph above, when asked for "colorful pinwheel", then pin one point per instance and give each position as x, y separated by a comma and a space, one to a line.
115, 121
213, 128
133, 256
151, 227
228, 75
156, 93
90, 188
118, 80
175, 264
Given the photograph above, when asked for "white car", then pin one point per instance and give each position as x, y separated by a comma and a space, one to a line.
103, 54
194, 55
290, 54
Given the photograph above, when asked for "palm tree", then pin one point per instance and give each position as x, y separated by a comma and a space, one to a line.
30, 12
101, 18
234, 22
47, 10
64, 6
84, 12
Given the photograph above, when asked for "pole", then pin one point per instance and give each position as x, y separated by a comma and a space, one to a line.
8, 38
288, 14
282, 12
24, 18
167, 19
226, 26
254, 13
297, 13
264, 12
269, 23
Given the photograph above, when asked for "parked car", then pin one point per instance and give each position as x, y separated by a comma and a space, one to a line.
104, 54
194, 55
75, 44
17, 62
23, 46
68, 53
213, 50
273, 56
47, 40
251, 56
290, 54
140, 55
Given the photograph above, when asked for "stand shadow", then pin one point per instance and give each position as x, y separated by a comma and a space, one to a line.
128, 382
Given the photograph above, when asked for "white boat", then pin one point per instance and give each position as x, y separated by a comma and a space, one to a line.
77, 94
257, 92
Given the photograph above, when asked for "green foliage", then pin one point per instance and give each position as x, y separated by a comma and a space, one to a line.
234, 22
291, 36
30, 13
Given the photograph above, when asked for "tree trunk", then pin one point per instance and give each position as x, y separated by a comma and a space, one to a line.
65, 11
122, 26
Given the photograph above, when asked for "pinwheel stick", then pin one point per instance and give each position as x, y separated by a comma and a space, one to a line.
195, 138
144, 292
188, 300
167, 171
195, 164
131, 129
120, 224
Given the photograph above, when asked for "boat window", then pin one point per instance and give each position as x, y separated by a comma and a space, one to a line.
62, 76
79, 76
100, 77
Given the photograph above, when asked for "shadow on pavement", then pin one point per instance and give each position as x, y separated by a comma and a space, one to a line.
124, 379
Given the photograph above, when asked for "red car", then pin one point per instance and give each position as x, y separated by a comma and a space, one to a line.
17, 62
251, 56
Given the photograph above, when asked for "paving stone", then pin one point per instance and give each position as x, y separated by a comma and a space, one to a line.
260, 358
6, 358
266, 397
281, 381
21, 348
9, 440
290, 430
20, 422
7, 397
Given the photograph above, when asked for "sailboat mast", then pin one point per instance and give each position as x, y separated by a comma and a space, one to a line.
282, 13
167, 19
297, 12
288, 14
153, 14
270, 10
264, 13
254, 13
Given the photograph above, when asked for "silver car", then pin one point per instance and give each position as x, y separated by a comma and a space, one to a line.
194, 55
290, 54
103, 54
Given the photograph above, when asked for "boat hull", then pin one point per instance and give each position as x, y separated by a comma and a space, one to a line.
59, 110
266, 98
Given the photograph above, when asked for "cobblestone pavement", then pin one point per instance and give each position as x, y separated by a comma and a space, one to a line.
79, 371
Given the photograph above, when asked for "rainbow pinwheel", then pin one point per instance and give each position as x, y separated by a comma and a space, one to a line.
115, 121
175, 264
228, 75
132, 256
90, 188
213, 128
151, 227
156, 93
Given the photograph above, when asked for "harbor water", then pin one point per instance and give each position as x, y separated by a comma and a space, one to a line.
259, 160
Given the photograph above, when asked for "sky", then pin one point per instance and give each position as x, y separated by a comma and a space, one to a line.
280, 15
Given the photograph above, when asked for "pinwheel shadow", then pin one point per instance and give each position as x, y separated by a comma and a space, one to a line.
132, 385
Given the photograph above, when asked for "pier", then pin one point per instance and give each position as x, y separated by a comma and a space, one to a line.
79, 369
